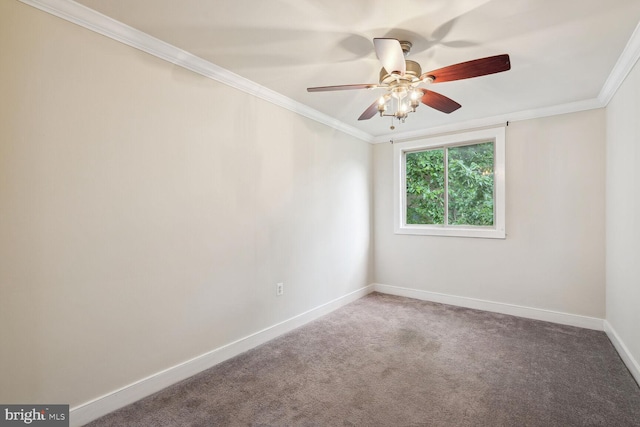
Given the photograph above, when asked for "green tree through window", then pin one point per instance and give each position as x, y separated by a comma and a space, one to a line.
469, 191
425, 187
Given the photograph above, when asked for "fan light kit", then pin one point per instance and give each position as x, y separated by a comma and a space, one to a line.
402, 83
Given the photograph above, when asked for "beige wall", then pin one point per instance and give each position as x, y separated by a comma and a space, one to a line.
553, 256
146, 212
623, 213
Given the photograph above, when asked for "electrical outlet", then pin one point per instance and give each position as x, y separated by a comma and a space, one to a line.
279, 289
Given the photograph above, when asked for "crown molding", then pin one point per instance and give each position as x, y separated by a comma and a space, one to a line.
628, 58
92, 20
487, 122
88, 18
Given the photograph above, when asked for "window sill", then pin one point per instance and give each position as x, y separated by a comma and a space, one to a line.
434, 230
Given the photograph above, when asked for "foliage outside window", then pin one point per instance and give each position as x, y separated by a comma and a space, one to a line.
452, 185
469, 185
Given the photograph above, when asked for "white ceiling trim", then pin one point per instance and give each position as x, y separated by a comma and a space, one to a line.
626, 61
102, 24
572, 107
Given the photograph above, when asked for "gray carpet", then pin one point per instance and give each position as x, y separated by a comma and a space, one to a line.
392, 361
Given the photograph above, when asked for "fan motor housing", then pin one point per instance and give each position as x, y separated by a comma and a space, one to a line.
412, 73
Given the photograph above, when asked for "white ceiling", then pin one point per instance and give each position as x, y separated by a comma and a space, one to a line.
562, 51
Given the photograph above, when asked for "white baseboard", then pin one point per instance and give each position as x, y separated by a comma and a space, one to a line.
96, 408
496, 307
623, 351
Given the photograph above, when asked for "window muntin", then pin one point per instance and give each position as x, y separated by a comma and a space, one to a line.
462, 175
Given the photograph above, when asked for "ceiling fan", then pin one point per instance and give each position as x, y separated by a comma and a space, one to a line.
402, 79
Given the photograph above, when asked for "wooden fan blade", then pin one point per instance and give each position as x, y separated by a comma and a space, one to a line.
390, 54
341, 87
439, 102
369, 112
469, 69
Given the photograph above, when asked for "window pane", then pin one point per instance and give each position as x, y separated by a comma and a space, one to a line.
425, 187
470, 176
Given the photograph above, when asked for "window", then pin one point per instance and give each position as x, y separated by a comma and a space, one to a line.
451, 185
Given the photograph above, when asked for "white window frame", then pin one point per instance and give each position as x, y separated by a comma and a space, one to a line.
497, 231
